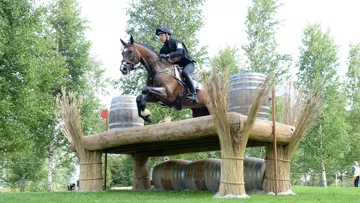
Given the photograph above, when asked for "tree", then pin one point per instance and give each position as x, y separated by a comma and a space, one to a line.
84, 72
261, 26
227, 59
30, 70
318, 64
353, 95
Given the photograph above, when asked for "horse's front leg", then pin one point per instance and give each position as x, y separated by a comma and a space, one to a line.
143, 112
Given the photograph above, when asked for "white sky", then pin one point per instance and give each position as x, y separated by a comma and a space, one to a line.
224, 24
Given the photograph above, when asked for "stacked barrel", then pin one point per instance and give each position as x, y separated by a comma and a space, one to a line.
242, 91
204, 174
123, 113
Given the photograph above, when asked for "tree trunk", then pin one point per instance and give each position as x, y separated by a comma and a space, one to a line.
23, 181
283, 172
141, 172
323, 173
50, 165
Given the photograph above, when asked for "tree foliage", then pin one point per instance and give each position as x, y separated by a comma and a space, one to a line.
42, 48
318, 65
261, 50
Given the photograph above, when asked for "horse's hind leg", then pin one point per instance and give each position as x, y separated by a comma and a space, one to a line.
141, 106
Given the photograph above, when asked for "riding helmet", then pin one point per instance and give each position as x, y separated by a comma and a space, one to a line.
162, 30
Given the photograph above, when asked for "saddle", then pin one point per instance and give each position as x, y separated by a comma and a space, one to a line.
178, 77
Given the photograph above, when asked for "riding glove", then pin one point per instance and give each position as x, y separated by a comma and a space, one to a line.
164, 56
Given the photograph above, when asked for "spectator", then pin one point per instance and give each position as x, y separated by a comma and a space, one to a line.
356, 172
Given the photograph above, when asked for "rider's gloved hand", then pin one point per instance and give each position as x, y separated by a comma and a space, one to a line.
164, 56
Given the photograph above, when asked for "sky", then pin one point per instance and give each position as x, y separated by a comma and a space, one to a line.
224, 25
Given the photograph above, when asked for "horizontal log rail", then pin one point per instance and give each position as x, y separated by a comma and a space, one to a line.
173, 137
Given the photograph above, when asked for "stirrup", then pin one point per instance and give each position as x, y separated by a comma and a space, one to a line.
192, 97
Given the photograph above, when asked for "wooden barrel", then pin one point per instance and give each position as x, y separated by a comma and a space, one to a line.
243, 87
123, 113
203, 175
169, 175
254, 170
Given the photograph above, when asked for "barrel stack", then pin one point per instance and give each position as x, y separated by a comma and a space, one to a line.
204, 174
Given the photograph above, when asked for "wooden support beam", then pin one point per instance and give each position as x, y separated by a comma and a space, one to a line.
181, 132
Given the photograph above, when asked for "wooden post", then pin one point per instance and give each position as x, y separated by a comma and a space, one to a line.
274, 141
105, 115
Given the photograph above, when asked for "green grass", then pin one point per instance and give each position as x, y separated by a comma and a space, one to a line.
303, 194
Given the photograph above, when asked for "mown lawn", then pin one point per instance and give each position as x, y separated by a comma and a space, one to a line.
303, 194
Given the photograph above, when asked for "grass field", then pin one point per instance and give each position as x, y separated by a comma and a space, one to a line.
303, 194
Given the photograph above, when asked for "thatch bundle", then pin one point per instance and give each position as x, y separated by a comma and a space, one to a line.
141, 172
300, 111
90, 161
233, 144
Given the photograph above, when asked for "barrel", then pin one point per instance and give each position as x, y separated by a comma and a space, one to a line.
203, 175
243, 87
123, 113
254, 170
169, 175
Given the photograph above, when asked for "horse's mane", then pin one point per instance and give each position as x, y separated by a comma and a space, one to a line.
148, 46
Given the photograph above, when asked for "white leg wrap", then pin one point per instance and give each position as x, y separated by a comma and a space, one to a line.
145, 113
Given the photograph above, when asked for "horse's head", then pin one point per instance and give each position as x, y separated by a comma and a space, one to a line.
130, 57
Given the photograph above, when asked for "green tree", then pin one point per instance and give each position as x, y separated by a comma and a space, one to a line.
227, 59
353, 95
261, 51
85, 75
318, 65
30, 69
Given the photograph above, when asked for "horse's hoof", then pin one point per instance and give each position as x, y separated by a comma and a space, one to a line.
149, 120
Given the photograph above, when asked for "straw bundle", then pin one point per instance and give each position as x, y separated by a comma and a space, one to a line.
90, 161
141, 172
300, 111
233, 144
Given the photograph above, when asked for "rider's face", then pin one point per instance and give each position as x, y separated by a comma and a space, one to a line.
162, 37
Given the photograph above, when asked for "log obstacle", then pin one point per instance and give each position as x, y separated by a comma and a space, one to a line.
186, 136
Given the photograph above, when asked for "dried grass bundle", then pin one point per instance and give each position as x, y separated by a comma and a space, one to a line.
309, 108
69, 109
90, 161
301, 111
233, 144
141, 172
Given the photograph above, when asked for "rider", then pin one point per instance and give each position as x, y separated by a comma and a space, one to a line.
177, 52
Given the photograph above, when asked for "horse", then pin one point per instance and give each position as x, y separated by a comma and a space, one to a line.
164, 83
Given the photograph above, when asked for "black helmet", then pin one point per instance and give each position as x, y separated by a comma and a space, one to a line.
162, 30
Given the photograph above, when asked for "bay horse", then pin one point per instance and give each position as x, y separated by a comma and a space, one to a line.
163, 82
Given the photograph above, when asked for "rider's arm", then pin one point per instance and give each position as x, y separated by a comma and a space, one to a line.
179, 50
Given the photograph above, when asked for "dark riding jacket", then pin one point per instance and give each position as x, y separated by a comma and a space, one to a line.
175, 48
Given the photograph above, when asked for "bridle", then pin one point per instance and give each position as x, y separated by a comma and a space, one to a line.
127, 65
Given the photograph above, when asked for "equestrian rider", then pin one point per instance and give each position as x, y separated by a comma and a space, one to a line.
177, 52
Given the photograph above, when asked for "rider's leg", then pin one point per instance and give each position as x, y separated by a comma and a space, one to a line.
186, 73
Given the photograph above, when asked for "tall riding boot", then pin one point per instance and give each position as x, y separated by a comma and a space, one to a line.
192, 96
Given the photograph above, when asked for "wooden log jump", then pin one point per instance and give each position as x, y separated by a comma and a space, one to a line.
191, 135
